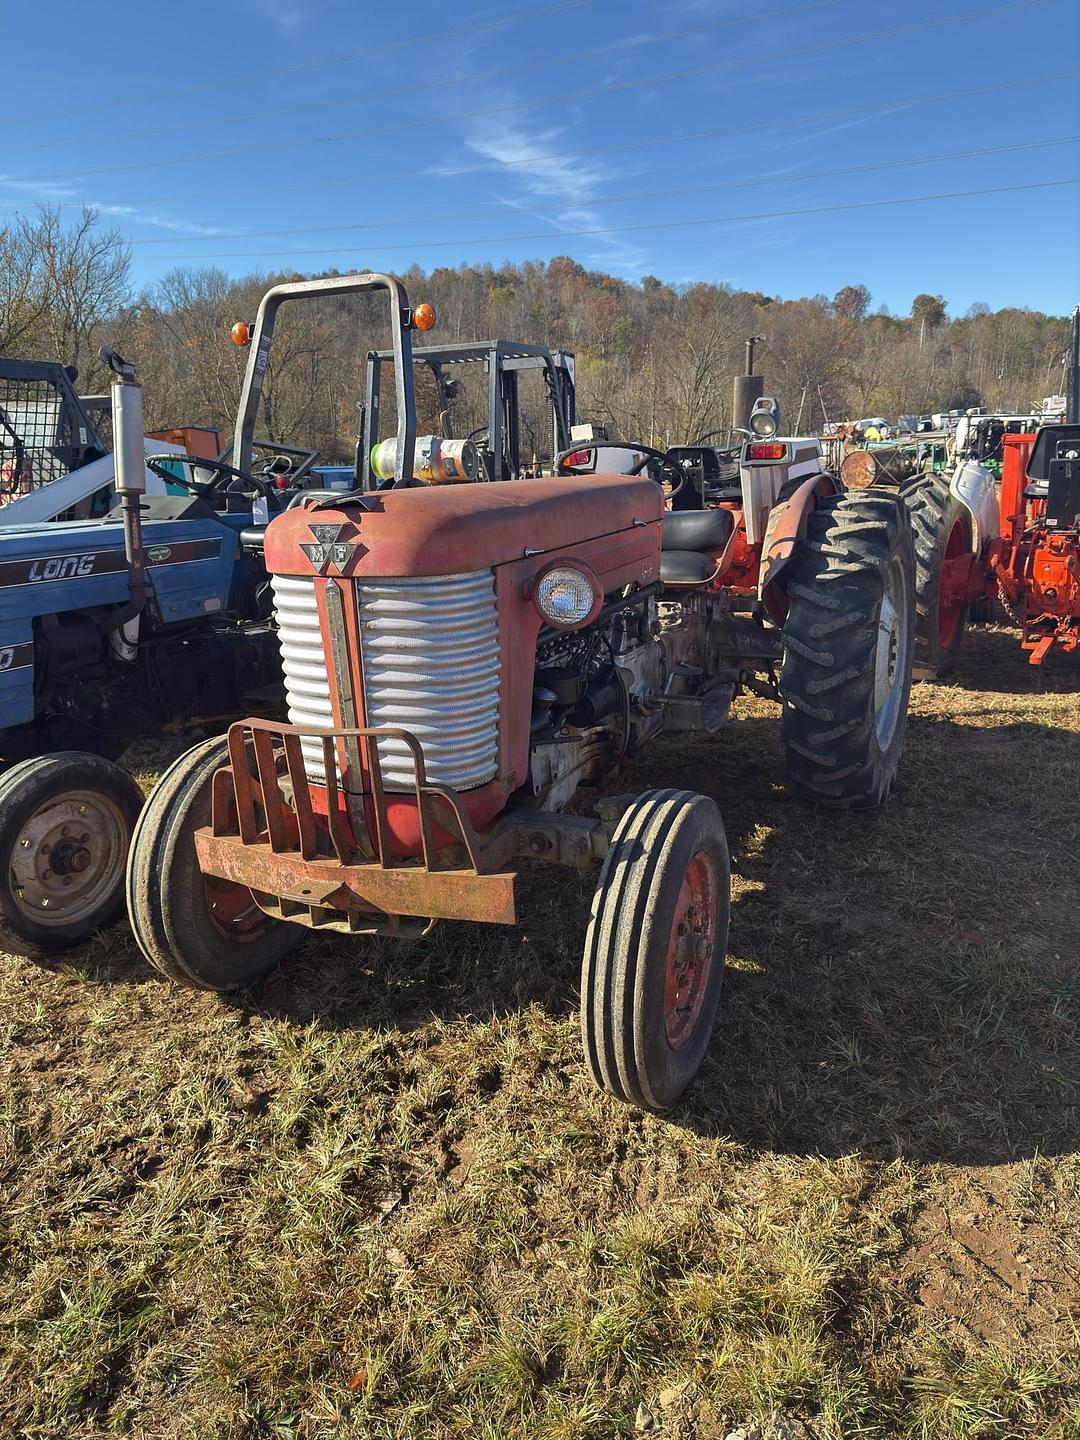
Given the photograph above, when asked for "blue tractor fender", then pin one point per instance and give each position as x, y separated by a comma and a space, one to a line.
16, 672
71, 567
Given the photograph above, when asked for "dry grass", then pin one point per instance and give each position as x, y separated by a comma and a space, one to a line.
378, 1197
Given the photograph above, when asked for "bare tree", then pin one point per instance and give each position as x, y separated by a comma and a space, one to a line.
84, 273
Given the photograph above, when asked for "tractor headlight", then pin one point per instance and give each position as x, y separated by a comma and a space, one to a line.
765, 417
567, 596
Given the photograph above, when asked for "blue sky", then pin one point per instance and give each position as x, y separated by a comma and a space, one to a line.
310, 134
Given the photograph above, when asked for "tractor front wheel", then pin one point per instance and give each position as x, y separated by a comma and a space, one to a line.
194, 928
65, 826
655, 948
845, 679
941, 531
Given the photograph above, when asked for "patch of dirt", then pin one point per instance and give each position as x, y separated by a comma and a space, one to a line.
976, 1267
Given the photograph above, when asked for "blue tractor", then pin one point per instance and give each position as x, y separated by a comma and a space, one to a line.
157, 614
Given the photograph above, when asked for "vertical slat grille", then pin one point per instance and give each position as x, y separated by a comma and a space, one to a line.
304, 662
432, 666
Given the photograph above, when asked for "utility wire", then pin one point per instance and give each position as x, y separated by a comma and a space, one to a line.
545, 100
736, 219
339, 58
621, 46
625, 199
640, 143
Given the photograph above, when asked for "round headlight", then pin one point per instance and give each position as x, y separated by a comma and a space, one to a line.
763, 424
565, 596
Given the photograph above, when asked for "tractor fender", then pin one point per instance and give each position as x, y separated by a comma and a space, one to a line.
16, 673
785, 527
973, 485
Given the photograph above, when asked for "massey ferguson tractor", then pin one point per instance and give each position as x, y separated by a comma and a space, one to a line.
1018, 544
461, 659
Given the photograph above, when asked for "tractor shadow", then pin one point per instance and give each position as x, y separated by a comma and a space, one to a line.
899, 984
991, 660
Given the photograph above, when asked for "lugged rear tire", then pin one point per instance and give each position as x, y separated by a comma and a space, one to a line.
655, 948
193, 929
845, 678
940, 531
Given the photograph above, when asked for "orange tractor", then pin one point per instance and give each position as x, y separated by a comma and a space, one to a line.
461, 658
1022, 548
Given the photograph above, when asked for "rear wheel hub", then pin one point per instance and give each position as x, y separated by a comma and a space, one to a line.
67, 857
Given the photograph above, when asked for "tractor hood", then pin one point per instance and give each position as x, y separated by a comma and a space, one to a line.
453, 529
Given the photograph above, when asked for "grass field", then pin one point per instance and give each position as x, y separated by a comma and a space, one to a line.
378, 1197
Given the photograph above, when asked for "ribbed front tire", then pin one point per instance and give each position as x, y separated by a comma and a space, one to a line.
941, 531
191, 927
655, 948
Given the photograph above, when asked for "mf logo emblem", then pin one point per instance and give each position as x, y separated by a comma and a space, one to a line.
328, 553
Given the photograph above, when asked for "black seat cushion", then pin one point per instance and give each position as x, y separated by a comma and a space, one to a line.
251, 538
697, 530
685, 567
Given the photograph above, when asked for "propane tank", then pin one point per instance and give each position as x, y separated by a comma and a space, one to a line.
436, 461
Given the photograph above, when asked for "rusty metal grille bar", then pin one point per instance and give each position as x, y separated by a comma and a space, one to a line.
263, 753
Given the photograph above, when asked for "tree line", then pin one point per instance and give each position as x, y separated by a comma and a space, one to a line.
654, 361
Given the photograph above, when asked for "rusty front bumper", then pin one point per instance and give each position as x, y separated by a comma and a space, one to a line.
335, 868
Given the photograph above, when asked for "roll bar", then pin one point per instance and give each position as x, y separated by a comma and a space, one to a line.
400, 325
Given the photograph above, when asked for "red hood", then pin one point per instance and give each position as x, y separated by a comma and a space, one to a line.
453, 529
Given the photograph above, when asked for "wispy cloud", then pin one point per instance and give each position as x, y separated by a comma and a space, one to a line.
556, 191
68, 198
281, 14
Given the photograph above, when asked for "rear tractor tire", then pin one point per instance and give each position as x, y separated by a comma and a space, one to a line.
65, 826
941, 531
193, 928
655, 948
845, 678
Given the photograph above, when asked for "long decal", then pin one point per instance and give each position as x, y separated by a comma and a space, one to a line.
102, 562
16, 657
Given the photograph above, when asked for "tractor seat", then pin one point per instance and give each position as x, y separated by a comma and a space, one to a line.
251, 538
689, 541
1037, 490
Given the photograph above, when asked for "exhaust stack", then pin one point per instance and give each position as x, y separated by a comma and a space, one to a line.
130, 482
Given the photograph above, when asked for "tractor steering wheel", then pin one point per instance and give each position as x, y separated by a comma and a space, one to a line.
669, 487
227, 478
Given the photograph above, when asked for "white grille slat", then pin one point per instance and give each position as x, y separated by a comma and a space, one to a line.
303, 660
430, 649
431, 666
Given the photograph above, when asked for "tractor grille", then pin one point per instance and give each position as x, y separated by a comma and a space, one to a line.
430, 650
304, 662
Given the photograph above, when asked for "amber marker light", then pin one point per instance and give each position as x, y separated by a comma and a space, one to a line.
424, 317
240, 334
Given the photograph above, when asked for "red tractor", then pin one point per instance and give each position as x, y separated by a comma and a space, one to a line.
461, 658
1022, 548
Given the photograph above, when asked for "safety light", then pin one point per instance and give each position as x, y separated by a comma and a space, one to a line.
424, 317
240, 334
577, 458
767, 452
765, 417
567, 597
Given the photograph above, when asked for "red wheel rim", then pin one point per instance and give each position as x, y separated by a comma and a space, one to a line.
233, 910
949, 615
691, 949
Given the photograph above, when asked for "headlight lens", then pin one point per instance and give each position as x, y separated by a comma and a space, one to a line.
762, 423
565, 596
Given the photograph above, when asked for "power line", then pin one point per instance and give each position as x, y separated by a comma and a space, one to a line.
546, 100
443, 83
639, 143
738, 219
338, 58
767, 182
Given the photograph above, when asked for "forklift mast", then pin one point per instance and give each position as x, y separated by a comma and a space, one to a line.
503, 361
